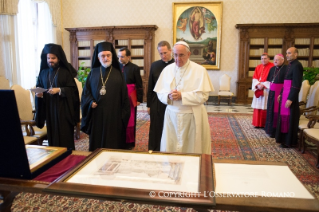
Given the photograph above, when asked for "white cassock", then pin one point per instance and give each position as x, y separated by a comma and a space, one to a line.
186, 128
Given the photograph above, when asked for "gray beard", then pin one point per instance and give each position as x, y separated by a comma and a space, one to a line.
106, 65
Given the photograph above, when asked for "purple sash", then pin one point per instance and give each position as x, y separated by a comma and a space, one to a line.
285, 112
130, 126
276, 87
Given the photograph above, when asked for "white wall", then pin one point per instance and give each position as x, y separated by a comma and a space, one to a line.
83, 13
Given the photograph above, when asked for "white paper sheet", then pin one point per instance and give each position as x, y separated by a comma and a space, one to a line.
38, 90
260, 180
141, 171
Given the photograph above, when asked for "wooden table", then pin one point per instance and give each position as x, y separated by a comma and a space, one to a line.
11, 187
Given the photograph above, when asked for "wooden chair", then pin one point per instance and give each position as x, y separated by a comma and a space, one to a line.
78, 125
4, 83
224, 89
312, 135
312, 107
311, 103
303, 94
26, 115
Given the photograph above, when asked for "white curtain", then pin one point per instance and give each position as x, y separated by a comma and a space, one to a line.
9, 55
54, 9
27, 40
34, 31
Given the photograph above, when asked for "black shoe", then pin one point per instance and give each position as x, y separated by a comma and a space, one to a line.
283, 146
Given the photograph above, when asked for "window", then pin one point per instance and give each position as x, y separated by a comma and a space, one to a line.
35, 29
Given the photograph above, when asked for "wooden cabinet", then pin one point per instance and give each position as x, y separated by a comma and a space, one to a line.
256, 39
139, 39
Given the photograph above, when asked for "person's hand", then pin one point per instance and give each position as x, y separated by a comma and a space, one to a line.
278, 99
288, 103
54, 91
94, 105
260, 86
138, 103
40, 95
176, 95
149, 111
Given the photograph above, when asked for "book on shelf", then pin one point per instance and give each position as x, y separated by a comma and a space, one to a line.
138, 62
316, 52
304, 63
83, 43
85, 53
257, 41
302, 41
137, 52
254, 63
122, 42
256, 52
274, 51
315, 63
95, 42
137, 42
303, 52
275, 41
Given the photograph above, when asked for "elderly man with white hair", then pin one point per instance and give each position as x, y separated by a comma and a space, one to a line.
184, 86
275, 78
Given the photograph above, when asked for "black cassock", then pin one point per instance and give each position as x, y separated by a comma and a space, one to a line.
106, 124
294, 73
157, 108
276, 76
61, 112
132, 76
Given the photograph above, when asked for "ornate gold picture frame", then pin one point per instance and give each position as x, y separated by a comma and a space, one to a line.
199, 24
182, 179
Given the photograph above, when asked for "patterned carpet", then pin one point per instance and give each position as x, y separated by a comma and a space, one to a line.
233, 137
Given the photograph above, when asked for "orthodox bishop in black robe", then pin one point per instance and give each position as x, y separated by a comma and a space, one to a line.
134, 82
60, 111
106, 123
157, 108
288, 120
276, 78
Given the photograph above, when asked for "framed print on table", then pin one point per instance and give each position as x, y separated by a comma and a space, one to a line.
180, 179
38, 156
199, 24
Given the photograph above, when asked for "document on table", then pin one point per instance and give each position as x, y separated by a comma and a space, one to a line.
38, 90
262, 180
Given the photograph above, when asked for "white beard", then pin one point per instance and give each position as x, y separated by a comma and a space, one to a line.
106, 65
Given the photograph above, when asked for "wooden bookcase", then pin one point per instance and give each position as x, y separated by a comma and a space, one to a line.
139, 39
256, 39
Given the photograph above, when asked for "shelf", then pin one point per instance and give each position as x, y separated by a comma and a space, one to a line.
137, 46
83, 47
274, 46
302, 45
256, 46
84, 58
137, 56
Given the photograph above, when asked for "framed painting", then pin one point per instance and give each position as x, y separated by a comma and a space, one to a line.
180, 179
199, 25
38, 156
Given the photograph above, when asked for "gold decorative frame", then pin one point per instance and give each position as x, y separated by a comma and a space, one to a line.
38, 156
138, 179
199, 24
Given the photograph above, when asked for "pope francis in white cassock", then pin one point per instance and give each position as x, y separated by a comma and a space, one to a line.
184, 86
